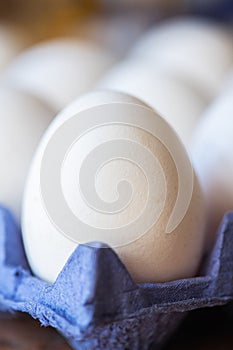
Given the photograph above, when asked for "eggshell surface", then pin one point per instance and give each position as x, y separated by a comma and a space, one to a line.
23, 120
114, 180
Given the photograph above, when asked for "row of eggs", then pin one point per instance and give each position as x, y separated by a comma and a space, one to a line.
178, 69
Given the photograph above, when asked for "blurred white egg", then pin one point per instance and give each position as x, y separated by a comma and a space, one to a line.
111, 184
212, 153
198, 50
12, 41
180, 104
23, 120
58, 71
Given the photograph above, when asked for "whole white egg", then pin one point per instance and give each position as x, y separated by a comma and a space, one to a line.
23, 120
179, 103
111, 169
57, 71
198, 50
212, 154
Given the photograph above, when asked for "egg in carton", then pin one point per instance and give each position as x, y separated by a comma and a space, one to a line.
110, 169
95, 304
95, 298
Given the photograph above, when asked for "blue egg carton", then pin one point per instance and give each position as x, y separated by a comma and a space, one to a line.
94, 302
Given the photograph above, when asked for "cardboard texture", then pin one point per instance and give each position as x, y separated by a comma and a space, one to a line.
95, 304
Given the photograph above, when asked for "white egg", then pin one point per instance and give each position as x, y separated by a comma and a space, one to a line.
23, 120
212, 153
180, 104
103, 172
198, 50
12, 41
58, 71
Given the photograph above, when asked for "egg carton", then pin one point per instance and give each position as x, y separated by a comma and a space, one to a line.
94, 302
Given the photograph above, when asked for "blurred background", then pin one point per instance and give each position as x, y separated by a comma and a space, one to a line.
124, 19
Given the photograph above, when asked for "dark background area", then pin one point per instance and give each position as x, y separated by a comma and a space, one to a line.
207, 329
